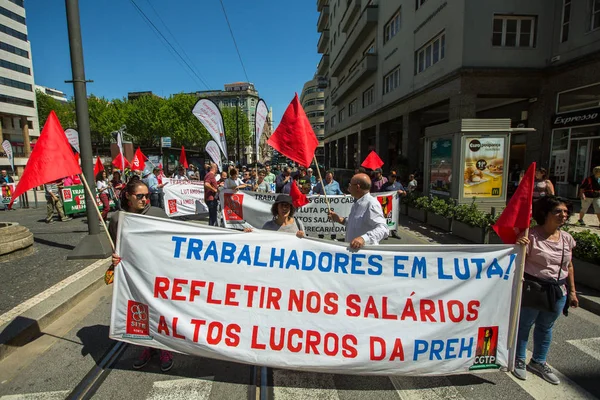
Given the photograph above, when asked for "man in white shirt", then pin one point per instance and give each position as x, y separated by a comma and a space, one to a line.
366, 223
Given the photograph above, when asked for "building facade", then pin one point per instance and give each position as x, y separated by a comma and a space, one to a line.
18, 109
396, 68
54, 93
313, 102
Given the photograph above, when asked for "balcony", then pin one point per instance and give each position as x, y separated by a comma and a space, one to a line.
367, 20
364, 68
351, 12
323, 19
323, 66
321, 4
323, 42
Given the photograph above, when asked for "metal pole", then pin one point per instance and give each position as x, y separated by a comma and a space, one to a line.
81, 106
237, 130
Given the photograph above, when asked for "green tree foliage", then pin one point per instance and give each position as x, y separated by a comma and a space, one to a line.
231, 128
64, 111
181, 125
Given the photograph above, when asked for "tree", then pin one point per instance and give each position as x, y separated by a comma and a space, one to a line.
143, 120
180, 124
64, 111
231, 128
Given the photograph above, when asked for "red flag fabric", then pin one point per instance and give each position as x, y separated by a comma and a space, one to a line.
98, 166
294, 137
372, 161
76, 155
517, 215
51, 158
298, 198
183, 159
119, 161
138, 163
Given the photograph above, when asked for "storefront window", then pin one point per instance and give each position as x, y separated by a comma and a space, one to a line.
585, 132
560, 139
579, 99
440, 166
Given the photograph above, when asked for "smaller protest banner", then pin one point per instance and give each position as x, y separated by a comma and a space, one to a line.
183, 197
74, 200
7, 191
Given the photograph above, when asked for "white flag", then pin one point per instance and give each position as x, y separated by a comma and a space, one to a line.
73, 138
120, 145
209, 114
212, 148
9, 153
259, 120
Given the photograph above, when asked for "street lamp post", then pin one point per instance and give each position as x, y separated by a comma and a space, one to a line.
237, 130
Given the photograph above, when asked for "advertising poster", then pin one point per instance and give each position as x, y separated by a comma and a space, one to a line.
441, 166
484, 167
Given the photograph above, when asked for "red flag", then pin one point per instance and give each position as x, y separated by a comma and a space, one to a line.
298, 198
120, 162
294, 137
182, 159
516, 216
76, 155
51, 158
138, 163
98, 167
372, 161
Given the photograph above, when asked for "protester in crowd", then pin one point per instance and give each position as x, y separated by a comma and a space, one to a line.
360, 170
180, 174
269, 176
102, 186
261, 185
118, 185
332, 187
5, 178
135, 198
221, 182
205, 170
71, 181
234, 182
155, 188
210, 194
247, 179
302, 177
548, 262
412, 183
589, 192
311, 177
306, 189
283, 211
365, 224
393, 185
543, 186
283, 179
53, 201
378, 181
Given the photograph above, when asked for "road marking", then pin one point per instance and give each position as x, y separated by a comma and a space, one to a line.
297, 385
430, 388
26, 305
540, 389
181, 389
60, 395
589, 346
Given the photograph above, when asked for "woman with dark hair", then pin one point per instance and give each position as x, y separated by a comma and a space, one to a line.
543, 186
234, 182
118, 185
548, 262
283, 211
103, 186
135, 198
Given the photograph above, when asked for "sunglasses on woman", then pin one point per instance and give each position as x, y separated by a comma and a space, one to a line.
140, 196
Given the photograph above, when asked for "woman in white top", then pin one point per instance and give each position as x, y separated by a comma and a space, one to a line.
234, 182
102, 185
543, 186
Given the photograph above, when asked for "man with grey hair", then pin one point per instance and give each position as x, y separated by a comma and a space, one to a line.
365, 224
210, 194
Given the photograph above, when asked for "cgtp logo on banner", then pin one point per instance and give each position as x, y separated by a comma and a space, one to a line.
138, 326
233, 207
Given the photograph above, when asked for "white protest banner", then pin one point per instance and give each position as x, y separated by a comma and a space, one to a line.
272, 299
212, 148
259, 121
209, 114
184, 197
243, 209
9, 153
73, 138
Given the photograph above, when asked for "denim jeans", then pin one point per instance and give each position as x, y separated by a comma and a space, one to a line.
542, 333
212, 212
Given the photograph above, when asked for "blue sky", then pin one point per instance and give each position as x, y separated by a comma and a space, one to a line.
123, 54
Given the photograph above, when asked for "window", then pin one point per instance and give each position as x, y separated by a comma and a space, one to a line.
15, 100
370, 49
14, 50
513, 31
595, 15
341, 115
15, 84
315, 114
566, 19
392, 27
12, 15
419, 3
332, 121
352, 107
15, 67
12, 32
392, 80
368, 96
431, 53
17, 2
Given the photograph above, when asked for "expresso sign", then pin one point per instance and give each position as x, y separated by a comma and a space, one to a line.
576, 118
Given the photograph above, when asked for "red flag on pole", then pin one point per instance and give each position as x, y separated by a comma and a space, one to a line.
51, 158
298, 198
138, 163
372, 161
294, 137
516, 216
120, 162
98, 166
183, 159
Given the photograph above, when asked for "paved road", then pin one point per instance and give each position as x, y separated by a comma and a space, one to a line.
52, 366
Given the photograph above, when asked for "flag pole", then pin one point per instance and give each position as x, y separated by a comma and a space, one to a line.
322, 183
514, 314
93, 197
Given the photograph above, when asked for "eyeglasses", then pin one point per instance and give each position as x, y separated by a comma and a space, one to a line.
140, 196
559, 211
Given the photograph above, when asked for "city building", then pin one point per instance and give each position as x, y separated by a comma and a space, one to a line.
18, 109
54, 93
396, 68
244, 96
313, 102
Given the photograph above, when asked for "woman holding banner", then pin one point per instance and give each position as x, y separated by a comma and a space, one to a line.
283, 217
234, 182
548, 287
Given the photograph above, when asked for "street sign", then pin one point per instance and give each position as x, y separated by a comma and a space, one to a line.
165, 141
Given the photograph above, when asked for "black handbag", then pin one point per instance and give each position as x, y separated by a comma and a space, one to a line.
542, 295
